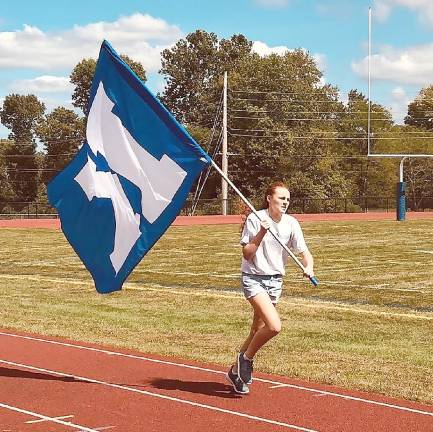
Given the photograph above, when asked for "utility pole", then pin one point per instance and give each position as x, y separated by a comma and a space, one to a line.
224, 163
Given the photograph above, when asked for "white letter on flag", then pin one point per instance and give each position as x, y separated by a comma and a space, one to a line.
157, 180
101, 184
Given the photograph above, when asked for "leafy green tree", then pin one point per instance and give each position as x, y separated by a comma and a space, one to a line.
193, 69
22, 114
62, 131
420, 111
418, 174
82, 76
284, 124
6, 189
368, 176
280, 128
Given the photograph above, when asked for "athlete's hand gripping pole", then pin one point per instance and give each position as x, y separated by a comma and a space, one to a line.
313, 279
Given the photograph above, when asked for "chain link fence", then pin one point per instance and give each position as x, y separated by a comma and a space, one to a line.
317, 205
35, 209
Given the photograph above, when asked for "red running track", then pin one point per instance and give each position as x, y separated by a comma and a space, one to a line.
232, 219
48, 384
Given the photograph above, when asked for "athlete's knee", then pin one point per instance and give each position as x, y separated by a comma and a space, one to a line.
274, 328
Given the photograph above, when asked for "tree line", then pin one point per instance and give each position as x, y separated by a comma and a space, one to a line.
283, 124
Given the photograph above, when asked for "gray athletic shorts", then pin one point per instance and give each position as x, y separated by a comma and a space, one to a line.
255, 284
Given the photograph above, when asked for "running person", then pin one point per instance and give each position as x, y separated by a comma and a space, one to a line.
263, 263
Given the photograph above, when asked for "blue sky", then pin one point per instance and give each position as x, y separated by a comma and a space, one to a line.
40, 42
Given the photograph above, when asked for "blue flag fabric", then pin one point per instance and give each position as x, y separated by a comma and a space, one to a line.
130, 178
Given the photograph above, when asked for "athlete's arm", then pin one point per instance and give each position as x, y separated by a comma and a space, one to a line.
308, 262
250, 249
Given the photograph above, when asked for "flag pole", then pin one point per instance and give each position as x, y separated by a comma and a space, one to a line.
313, 280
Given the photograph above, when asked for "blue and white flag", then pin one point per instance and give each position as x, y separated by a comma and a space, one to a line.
130, 178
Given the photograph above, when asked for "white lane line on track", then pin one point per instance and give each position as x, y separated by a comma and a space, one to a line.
47, 418
275, 383
161, 396
44, 420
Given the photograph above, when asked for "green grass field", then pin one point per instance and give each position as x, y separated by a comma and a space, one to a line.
368, 326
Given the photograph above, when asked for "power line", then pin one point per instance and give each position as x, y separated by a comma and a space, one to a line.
31, 170
408, 133
320, 137
200, 190
36, 154
322, 156
318, 119
305, 119
373, 135
273, 92
295, 137
216, 119
282, 131
203, 177
283, 100
363, 170
45, 139
309, 112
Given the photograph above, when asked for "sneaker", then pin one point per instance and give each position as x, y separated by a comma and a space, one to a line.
245, 369
238, 385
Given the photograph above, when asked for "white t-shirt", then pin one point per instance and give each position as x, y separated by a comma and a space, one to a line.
271, 258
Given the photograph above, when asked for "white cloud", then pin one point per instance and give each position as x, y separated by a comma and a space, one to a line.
381, 11
4, 131
158, 86
42, 84
399, 103
55, 100
263, 50
322, 82
320, 61
52, 91
139, 36
410, 66
383, 8
398, 93
272, 3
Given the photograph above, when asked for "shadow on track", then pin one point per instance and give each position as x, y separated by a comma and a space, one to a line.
17, 373
199, 387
